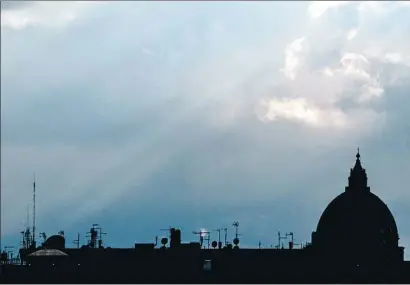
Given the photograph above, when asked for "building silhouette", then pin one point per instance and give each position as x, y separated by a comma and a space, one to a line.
356, 241
359, 225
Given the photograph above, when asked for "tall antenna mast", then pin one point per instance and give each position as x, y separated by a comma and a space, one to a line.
28, 216
34, 210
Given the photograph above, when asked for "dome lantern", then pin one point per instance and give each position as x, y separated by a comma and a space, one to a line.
358, 177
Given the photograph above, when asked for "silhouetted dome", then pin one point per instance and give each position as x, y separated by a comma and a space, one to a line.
55, 242
355, 216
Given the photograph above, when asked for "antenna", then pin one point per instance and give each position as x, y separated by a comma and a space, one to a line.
219, 238
28, 215
236, 239
236, 225
100, 242
280, 238
164, 240
26, 234
291, 243
8, 250
291, 236
203, 235
226, 236
34, 211
77, 241
95, 234
167, 230
92, 234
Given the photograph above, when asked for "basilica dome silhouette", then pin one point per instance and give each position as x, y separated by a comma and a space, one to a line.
357, 222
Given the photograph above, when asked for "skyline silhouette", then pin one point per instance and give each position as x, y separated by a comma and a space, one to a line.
356, 241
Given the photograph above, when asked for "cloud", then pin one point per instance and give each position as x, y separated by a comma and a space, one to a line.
353, 70
152, 111
352, 34
292, 59
16, 15
318, 8
300, 110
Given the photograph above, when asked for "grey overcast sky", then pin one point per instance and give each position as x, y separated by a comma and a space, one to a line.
141, 115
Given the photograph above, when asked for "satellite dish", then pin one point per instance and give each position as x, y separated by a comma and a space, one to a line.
164, 241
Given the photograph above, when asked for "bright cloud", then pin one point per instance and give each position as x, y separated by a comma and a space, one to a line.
301, 110
292, 60
318, 8
355, 70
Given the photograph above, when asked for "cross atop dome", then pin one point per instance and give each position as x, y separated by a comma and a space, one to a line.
358, 165
358, 176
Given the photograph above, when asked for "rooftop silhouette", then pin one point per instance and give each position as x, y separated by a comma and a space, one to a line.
356, 240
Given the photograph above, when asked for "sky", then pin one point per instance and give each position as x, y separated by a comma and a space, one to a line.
143, 115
